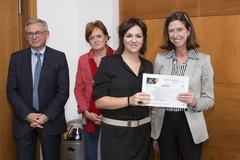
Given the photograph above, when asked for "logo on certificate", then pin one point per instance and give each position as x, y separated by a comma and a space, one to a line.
152, 80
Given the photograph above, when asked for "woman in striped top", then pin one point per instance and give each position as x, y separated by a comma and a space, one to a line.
179, 132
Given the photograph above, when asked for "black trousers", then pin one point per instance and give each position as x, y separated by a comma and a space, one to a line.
176, 140
26, 146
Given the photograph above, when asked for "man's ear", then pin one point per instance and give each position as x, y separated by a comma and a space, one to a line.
47, 34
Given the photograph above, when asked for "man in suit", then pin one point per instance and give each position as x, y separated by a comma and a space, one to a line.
38, 89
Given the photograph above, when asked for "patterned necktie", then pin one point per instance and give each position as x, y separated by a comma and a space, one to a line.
36, 80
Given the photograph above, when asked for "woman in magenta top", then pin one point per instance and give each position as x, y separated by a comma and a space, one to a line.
97, 36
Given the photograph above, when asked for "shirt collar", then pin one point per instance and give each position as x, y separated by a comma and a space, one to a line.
191, 54
42, 51
91, 54
142, 61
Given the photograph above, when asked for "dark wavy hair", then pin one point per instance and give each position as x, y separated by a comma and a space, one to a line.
124, 27
192, 41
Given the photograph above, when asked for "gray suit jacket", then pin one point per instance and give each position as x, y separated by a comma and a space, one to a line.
200, 74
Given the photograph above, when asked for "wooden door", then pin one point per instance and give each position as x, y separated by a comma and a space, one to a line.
11, 40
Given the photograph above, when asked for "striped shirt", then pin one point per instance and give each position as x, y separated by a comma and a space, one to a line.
180, 70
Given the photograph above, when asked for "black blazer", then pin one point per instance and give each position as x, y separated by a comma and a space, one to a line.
53, 90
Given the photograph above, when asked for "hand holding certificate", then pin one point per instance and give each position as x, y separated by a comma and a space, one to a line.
164, 89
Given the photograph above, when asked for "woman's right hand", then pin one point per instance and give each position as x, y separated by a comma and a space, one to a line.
155, 145
97, 119
139, 99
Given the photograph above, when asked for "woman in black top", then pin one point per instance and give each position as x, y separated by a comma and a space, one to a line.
117, 91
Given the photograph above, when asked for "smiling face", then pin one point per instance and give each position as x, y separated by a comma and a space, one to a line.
178, 34
97, 39
37, 43
133, 40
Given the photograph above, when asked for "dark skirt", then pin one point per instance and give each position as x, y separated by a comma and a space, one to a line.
124, 143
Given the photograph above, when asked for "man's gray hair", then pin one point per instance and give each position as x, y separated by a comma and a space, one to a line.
36, 20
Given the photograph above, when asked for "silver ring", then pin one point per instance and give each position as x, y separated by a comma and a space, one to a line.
140, 102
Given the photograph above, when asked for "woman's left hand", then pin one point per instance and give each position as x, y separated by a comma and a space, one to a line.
187, 98
99, 121
139, 99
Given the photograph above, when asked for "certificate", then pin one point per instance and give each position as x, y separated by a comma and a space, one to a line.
164, 89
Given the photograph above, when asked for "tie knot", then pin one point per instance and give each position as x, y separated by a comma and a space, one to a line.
38, 54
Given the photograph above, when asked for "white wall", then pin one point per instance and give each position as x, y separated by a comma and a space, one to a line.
66, 21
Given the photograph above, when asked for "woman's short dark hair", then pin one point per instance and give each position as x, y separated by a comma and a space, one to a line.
124, 27
192, 41
92, 25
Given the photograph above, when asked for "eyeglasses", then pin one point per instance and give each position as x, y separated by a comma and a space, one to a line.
178, 14
37, 34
